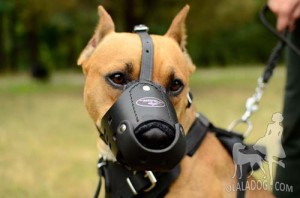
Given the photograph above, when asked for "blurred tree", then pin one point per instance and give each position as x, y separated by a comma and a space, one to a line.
14, 50
5, 7
2, 56
51, 34
34, 14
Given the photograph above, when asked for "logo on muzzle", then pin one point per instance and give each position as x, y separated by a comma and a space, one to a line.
150, 102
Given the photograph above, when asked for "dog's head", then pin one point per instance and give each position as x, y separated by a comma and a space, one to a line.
112, 60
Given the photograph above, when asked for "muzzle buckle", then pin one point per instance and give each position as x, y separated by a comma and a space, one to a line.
151, 178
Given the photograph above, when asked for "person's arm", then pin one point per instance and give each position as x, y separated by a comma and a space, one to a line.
287, 11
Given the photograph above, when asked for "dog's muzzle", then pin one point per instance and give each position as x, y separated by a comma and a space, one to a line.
141, 128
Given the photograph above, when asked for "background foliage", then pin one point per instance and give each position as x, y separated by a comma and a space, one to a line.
51, 34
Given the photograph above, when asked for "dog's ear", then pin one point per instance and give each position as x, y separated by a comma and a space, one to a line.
105, 27
177, 32
177, 29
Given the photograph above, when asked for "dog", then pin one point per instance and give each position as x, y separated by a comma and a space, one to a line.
110, 60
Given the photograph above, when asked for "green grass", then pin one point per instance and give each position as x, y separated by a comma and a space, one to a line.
48, 142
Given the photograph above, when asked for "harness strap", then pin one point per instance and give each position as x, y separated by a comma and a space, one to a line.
196, 134
125, 183
228, 140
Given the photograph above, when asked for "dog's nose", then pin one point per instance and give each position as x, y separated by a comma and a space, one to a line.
155, 139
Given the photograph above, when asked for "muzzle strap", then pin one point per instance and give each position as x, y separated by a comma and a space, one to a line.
147, 52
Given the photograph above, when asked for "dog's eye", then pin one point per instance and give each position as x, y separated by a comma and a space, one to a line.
176, 86
118, 78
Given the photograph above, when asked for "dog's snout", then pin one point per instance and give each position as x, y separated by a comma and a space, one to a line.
155, 135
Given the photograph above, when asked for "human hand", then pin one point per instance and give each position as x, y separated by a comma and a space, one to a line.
287, 11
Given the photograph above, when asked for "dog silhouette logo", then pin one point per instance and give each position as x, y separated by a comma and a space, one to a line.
265, 150
241, 158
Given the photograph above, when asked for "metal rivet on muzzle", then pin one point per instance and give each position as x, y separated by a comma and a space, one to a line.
123, 128
146, 88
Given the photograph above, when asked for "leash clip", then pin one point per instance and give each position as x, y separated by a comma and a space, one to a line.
251, 107
150, 176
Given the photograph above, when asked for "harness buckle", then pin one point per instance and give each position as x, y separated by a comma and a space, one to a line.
151, 178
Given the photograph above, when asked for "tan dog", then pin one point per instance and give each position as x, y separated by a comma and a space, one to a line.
112, 59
